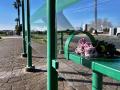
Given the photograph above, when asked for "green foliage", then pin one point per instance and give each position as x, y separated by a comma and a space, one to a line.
2, 33
106, 30
18, 29
39, 38
39, 32
91, 30
105, 49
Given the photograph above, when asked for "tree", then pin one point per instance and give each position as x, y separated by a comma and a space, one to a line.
101, 24
17, 6
17, 21
106, 23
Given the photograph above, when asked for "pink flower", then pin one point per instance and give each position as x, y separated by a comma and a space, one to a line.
85, 48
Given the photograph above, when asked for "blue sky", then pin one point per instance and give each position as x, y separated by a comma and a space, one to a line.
79, 13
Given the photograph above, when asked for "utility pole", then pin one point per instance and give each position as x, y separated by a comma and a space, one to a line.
95, 7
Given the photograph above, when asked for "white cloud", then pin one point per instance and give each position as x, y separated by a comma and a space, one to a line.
7, 27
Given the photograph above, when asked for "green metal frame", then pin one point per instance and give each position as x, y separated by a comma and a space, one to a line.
29, 66
52, 64
24, 54
97, 81
108, 68
99, 67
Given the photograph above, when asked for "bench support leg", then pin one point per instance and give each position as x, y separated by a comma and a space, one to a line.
96, 81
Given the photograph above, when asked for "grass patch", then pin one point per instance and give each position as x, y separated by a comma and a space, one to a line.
3, 34
41, 41
39, 38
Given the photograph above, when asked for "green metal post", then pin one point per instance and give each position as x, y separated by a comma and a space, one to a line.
96, 81
61, 51
29, 66
24, 54
52, 75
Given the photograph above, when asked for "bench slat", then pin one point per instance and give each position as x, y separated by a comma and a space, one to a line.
111, 69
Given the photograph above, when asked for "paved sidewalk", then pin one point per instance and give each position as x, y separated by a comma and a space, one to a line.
12, 73
10, 37
13, 76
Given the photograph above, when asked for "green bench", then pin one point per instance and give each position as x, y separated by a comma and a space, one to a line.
108, 68
100, 66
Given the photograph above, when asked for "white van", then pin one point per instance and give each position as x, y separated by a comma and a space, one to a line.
118, 32
115, 32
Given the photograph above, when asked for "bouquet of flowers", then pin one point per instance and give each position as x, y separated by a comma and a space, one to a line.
100, 49
86, 49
